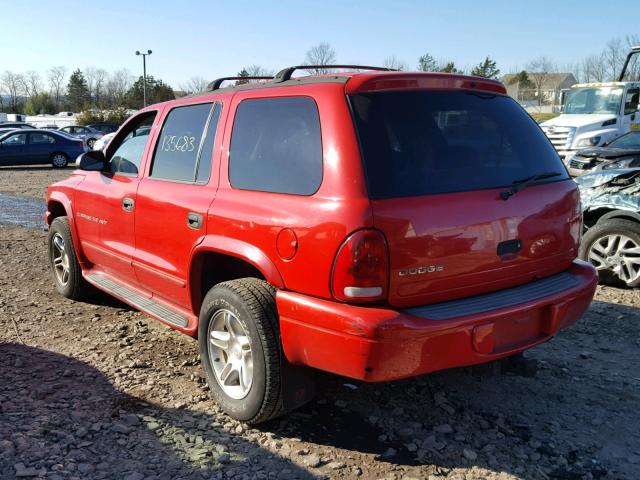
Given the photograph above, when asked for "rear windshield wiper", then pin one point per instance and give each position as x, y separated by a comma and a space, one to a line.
523, 183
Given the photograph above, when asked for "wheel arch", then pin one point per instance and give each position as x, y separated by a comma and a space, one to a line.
593, 217
59, 205
218, 259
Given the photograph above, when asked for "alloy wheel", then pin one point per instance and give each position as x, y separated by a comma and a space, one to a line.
59, 160
60, 260
618, 254
230, 353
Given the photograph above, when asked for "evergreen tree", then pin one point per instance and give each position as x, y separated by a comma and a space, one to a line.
426, 63
77, 91
157, 91
242, 73
486, 69
450, 67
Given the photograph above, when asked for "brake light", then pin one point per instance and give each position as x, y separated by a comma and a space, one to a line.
82, 143
361, 268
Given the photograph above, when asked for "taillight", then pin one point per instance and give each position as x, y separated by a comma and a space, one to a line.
361, 268
81, 143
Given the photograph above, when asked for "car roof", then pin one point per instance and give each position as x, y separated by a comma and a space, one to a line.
369, 81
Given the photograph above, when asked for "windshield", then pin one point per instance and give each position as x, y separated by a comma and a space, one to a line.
587, 100
628, 140
429, 142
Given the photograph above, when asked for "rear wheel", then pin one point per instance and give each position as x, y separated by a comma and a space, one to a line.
90, 143
240, 349
613, 247
59, 160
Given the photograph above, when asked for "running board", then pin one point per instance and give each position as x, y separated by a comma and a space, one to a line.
145, 304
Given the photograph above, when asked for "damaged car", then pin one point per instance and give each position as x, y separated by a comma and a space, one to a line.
611, 213
622, 152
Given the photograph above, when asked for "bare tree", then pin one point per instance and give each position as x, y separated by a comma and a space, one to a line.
117, 86
31, 83
12, 85
595, 68
613, 56
259, 71
195, 85
633, 69
56, 76
100, 79
321, 54
90, 77
539, 71
395, 63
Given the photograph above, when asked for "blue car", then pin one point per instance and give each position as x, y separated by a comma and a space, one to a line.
35, 147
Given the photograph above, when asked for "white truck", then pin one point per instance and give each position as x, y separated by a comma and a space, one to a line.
595, 113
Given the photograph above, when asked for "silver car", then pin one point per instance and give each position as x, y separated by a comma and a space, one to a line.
88, 134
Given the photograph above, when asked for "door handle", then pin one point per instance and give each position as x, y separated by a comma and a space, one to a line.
194, 220
127, 204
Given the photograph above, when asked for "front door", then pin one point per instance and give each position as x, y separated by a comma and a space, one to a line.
173, 200
106, 201
14, 150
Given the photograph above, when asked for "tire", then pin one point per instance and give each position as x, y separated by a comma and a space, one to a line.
59, 160
613, 247
248, 306
65, 269
90, 143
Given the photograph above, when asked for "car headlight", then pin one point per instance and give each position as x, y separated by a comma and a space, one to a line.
589, 142
622, 163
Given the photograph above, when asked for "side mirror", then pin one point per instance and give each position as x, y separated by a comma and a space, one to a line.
92, 161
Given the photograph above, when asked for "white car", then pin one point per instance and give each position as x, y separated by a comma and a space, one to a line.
102, 142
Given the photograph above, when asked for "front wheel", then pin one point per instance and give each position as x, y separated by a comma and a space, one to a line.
613, 247
240, 349
63, 260
59, 160
90, 143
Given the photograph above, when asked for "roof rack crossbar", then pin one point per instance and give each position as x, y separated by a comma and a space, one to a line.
215, 85
286, 73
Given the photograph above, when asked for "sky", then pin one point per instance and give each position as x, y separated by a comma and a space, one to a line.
217, 38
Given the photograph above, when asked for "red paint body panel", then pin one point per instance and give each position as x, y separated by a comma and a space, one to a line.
379, 344
460, 232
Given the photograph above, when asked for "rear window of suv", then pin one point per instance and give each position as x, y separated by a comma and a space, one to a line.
430, 142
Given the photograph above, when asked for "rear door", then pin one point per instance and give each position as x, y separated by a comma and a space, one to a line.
436, 164
173, 199
41, 146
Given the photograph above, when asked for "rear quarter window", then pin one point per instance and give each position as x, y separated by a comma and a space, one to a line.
276, 146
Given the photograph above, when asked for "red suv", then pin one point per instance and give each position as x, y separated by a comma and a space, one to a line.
377, 225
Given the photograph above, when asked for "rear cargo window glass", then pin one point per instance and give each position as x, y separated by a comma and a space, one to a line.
276, 146
421, 143
179, 144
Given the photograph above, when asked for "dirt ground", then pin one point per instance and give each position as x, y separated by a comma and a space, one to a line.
95, 390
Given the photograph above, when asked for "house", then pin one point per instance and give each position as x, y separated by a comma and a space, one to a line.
551, 86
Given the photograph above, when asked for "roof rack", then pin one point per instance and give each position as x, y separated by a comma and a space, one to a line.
215, 85
285, 74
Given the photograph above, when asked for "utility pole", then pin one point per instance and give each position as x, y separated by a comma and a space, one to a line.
144, 75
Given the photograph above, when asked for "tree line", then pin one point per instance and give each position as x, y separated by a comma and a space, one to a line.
93, 88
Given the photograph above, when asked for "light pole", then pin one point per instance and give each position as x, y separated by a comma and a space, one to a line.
144, 75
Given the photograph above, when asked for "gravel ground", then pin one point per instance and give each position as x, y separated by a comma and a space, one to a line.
31, 181
96, 390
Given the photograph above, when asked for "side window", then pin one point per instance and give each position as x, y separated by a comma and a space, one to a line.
185, 148
40, 138
276, 146
127, 155
17, 139
632, 100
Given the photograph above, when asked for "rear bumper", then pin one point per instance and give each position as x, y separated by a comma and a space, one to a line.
379, 344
